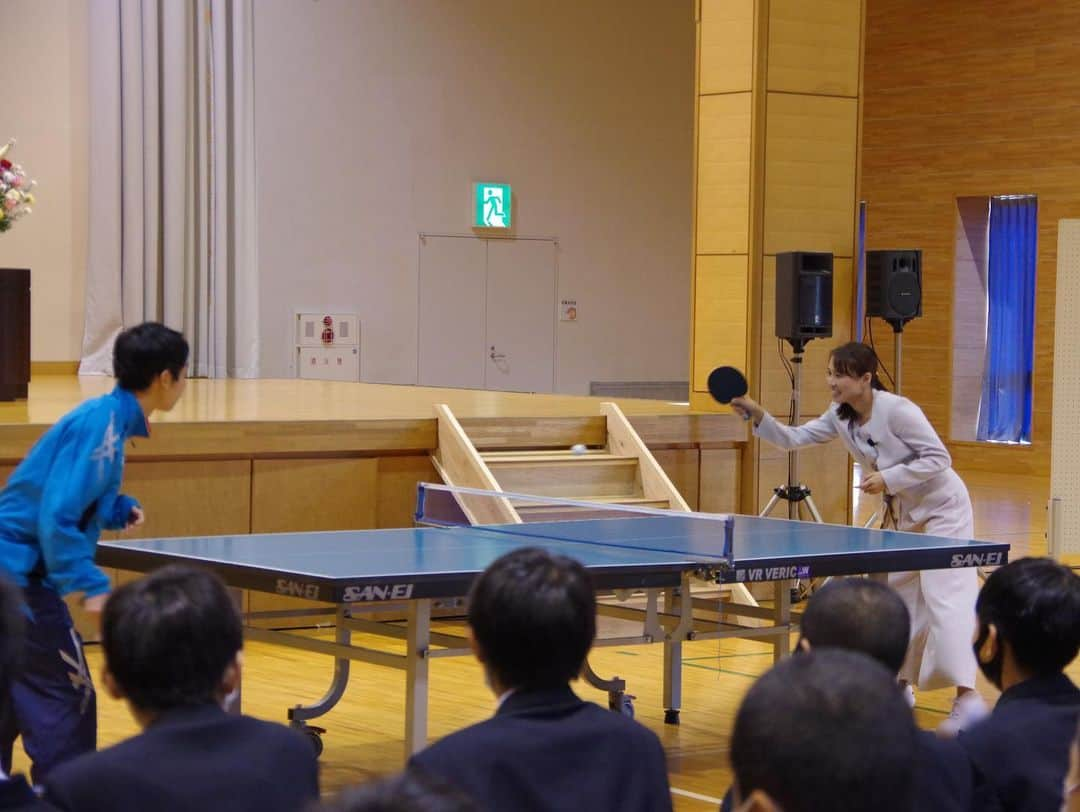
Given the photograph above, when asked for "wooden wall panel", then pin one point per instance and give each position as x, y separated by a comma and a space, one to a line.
802, 118
189, 498
396, 490
815, 47
294, 495
975, 99
681, 465
720, 316
726, 50
810, 159
723, 174
719, 480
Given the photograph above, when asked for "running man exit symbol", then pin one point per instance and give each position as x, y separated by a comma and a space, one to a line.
491, 205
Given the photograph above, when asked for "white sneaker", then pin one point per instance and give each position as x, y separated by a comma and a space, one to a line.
909, 695
966, 711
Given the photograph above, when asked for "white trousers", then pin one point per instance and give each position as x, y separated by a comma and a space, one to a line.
942, 608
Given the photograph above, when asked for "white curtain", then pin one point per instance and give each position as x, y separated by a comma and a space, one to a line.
172, 180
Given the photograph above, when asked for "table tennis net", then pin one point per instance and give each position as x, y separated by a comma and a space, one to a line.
456, 506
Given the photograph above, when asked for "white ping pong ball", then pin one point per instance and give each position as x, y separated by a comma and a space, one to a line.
577, 448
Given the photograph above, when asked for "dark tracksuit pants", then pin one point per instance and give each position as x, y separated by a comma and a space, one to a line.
52, 703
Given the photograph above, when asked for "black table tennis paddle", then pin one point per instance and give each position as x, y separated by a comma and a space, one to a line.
726, 383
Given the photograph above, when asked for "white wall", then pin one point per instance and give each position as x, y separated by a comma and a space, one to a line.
44, 106
374, 118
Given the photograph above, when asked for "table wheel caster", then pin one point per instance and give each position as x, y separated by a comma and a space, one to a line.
314, 737
621, 703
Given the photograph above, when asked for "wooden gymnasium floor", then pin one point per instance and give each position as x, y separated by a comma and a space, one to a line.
364, 731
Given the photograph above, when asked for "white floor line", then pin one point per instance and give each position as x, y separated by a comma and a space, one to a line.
706, 798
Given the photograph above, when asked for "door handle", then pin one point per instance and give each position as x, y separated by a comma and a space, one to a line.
497, 356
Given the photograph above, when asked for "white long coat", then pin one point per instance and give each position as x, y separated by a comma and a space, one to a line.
925, 495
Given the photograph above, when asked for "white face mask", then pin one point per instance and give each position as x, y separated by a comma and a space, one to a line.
1070, 794
233, 697
230, 699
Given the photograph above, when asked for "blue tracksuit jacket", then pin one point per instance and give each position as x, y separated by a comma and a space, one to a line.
66, 491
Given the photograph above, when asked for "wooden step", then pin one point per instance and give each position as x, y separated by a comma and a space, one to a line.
635, 501
592, 455
539, 512
570, 477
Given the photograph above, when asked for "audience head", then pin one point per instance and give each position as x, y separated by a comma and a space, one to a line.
824, 730
12, 633
1028, 621
861, 615
151, 357
171, 639
533, 619
411, 791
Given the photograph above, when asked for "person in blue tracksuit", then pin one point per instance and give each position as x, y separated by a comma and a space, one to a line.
52, 511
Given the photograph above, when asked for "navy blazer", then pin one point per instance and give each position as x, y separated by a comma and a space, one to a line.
548, 751
944, 780
943, 777
196, 758
1020, 752
17, 796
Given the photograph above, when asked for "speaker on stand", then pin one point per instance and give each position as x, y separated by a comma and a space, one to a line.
803, 313
894, 294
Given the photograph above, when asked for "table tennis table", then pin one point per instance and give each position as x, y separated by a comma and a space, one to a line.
402, 575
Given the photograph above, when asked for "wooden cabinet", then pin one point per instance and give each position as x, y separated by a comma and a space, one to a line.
14, 332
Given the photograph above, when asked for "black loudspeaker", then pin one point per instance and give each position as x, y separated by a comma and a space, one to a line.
894, 285
803, 296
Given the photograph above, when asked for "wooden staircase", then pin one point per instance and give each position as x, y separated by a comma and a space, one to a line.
617, 469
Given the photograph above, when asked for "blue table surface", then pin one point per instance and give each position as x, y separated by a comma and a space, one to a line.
643, 541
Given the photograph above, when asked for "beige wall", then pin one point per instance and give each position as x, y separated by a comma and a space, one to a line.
44, 106
373, 119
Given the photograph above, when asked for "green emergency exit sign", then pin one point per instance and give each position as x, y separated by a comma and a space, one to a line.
491, 205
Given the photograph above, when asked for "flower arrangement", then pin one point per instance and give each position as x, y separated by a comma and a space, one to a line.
16, 190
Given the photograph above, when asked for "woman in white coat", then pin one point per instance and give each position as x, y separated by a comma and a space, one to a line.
903, 459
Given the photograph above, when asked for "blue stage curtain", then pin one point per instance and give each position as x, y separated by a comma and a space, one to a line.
1005, 406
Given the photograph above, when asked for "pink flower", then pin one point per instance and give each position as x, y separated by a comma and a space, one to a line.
10, 203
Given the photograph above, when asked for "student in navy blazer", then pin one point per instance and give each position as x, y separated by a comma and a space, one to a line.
1029, 631
532, 617
866, 616
172, 649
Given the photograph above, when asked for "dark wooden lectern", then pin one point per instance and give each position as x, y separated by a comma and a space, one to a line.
14, 332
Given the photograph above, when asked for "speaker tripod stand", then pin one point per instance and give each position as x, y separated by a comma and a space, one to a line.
794, 492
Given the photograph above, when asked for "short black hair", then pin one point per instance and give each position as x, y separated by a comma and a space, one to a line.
826, 730
862, 615
1035, 605
12, 634
413, 790
144, 351
169, 636
534, 617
